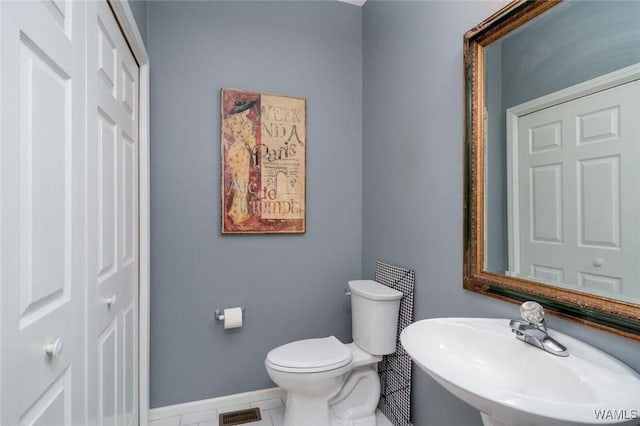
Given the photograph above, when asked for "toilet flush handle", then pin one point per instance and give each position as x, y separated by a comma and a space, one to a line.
347, 292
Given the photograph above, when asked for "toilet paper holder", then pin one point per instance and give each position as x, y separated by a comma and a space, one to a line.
219, 313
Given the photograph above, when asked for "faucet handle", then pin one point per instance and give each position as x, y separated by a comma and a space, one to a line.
532, 311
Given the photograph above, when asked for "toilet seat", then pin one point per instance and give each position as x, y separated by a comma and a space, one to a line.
310, 356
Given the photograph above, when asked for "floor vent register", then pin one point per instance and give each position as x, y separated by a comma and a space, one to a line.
240, 417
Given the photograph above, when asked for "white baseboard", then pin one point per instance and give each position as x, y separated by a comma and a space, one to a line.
174, 415
214, 403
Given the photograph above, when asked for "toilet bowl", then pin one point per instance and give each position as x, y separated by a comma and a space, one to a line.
327, 382
330, 383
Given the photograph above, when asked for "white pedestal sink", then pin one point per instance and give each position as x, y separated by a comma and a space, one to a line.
513, 383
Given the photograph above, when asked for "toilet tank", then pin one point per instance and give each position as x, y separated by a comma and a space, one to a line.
374, 316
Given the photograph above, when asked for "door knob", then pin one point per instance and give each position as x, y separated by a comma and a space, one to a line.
110, 301
597, 262
54, 349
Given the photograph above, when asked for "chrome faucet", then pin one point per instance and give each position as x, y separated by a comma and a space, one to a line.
533, 330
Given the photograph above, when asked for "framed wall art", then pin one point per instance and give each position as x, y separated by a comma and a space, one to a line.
263, 152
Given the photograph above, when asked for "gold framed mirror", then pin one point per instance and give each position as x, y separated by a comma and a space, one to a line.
552, 142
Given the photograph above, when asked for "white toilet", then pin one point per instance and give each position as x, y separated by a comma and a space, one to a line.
330, 383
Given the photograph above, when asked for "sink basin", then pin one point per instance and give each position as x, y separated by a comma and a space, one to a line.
513, 383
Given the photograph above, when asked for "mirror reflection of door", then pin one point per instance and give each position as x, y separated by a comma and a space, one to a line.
575, 168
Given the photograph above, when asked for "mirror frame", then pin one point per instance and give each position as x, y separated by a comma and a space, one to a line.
619, 317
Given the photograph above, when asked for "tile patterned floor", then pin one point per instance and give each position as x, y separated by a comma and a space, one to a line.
272, 412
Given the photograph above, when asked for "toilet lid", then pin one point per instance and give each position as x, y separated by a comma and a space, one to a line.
311, 354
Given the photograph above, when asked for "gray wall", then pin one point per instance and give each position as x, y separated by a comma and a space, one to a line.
384, 93
578, 41
496, 221
412, 175
291, 286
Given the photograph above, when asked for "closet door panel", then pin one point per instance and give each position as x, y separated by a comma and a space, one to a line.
42, 206
112, 221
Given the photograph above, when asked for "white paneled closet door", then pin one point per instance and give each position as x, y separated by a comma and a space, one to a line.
112, 218
68, 216
42, 210
579, 210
